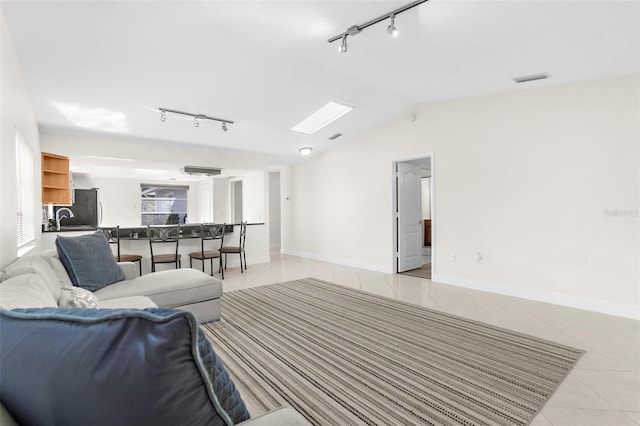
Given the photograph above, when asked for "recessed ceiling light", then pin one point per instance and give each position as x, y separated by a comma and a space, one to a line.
305, 150
325, 115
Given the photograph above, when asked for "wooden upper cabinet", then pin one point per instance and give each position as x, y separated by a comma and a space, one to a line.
56, 182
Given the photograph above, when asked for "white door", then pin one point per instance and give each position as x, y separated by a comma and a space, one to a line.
409, 217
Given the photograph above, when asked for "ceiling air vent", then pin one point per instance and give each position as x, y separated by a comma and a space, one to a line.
532, 77
197, 170
334, 137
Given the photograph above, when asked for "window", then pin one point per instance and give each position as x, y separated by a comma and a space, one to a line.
25, 189
163, 205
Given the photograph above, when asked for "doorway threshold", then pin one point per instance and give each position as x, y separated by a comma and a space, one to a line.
423, 272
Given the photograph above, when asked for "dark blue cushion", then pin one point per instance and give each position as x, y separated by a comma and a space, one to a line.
106, 366
89, 261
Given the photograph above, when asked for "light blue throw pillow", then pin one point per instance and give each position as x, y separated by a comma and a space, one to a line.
89, 261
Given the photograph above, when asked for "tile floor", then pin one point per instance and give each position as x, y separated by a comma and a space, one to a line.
603, 389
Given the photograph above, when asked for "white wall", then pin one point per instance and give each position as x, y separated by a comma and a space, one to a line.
531, 179
203, 201
221, 198
253, 196
274, 209
15, 112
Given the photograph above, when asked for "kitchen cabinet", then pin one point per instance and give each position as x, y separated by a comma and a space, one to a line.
56, 182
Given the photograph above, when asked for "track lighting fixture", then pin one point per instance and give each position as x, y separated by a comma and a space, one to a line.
391, 29
343, 46
196, 117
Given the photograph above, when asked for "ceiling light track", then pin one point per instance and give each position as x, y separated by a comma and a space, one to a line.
391, 29
196, 117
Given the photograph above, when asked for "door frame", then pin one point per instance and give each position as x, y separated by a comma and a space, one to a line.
394, 198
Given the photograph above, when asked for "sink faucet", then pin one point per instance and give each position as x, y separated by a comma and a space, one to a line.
59, 218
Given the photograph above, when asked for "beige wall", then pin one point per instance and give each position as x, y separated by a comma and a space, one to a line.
16, 112
529, 179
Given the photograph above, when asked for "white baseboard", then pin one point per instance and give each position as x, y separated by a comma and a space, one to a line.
339, 261
584, 303
234, 260
594, 305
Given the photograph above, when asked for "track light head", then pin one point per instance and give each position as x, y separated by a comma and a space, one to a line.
196, 122
163, 115
343, 46
391, 29
224, 126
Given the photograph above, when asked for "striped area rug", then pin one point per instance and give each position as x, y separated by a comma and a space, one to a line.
345, 357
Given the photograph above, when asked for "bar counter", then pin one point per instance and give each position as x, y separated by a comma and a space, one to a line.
134, 240
189, 230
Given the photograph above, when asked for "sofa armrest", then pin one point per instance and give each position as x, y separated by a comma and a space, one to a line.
283, 416
130, 270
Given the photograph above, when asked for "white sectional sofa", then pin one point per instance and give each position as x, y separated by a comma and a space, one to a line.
37, 282
44, 276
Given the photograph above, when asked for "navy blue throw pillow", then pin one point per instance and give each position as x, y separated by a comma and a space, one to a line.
110, 366
89, 261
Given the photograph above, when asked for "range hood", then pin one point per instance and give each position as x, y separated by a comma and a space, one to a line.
198, 170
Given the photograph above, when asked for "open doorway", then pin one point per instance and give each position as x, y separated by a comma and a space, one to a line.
413, 216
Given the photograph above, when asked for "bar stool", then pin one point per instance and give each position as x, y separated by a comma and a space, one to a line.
164, 234
115, 239
127, 257
209, 232
237, 249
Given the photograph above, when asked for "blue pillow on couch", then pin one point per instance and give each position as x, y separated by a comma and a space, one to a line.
112, 366
89, 261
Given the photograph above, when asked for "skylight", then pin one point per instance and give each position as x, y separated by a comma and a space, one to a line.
325, 115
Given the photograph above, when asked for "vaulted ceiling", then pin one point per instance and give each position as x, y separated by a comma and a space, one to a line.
106, 67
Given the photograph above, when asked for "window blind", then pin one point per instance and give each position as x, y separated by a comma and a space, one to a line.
25, 203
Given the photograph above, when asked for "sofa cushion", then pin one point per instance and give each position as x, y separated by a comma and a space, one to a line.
131, 302
105, 367
171, 288
35, 265
51, 256
89, 261
76, 297
26, 291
